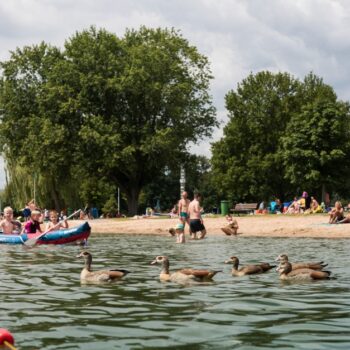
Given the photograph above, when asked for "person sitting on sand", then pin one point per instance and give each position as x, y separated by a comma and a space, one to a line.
8, 225
54, 224
315, 207
232, 226
346, 220
33, 225
337, 213
179, 231
294, 208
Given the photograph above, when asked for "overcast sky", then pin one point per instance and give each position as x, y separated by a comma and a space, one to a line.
238, 36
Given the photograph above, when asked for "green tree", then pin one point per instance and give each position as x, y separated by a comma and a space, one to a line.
316, 147
35, 132
246, 162
142, 99
117, 109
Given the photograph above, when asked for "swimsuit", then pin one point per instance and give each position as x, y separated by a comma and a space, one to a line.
32, 227
180, 227
196, 225
183, 214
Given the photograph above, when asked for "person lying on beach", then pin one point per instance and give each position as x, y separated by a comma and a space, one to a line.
232, 226
54, 224
337, 213
8, 225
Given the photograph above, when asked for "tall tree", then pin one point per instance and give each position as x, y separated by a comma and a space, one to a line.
34, 132
316, 147
142, 99
246, 162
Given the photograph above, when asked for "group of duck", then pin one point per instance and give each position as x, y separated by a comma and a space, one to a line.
300, 271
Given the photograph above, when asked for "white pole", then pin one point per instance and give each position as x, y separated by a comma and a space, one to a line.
118, 201
182, 180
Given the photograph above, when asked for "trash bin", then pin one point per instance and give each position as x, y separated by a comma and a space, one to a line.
224, 207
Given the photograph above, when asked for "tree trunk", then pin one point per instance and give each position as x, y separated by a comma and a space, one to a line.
55, 198
132, 196
323, 199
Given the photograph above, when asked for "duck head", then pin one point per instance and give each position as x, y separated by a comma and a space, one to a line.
87, 258
233, 260
162, 260
282, 258
284, 268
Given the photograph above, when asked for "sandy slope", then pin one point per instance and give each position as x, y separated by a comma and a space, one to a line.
255, 225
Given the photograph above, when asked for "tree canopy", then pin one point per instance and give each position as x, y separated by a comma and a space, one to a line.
121, 109
283, 135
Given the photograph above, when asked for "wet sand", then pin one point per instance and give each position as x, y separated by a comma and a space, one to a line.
252, 225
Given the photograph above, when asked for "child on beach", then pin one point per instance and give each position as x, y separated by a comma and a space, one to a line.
54, 224
232, 226
33, 225
8, 225
337, 213
179, 231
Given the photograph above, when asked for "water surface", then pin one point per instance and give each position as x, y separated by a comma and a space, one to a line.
45, 306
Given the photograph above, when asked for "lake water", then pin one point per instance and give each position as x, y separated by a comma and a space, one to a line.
45, 307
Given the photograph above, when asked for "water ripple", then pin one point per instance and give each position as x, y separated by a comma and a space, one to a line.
46, 307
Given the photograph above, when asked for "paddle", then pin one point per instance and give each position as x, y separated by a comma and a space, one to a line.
32, 241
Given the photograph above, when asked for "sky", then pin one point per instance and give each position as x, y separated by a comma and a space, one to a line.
238, 36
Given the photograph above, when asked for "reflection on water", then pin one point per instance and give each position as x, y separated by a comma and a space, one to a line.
45, 307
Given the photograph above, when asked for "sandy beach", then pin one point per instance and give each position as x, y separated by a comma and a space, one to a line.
254, 225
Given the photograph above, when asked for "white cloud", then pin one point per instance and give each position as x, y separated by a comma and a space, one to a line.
238, 36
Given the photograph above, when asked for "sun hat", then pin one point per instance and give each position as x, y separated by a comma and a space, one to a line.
35, 212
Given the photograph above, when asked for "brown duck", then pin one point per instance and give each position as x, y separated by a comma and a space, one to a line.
101, 276
184, 275
248, 269
283, 258
286, 273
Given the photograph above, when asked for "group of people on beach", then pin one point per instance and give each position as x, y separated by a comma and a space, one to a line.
189, 212
33, 223
305, 205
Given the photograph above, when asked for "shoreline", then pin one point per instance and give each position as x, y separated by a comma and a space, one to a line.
306, 226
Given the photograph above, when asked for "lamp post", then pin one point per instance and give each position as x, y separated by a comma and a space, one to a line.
182, 180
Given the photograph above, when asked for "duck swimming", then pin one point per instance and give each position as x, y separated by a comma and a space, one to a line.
248, 269
183, 275
283, 258
286, 273
101, 276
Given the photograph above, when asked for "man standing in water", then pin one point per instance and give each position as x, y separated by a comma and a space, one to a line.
196, 221
183, 208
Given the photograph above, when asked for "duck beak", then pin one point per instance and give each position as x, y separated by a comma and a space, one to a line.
278, 258
228, 261
154, 262
79, 255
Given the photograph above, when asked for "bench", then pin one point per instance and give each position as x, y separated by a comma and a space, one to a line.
244, 208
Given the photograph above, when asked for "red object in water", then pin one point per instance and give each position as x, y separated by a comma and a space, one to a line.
6, 336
